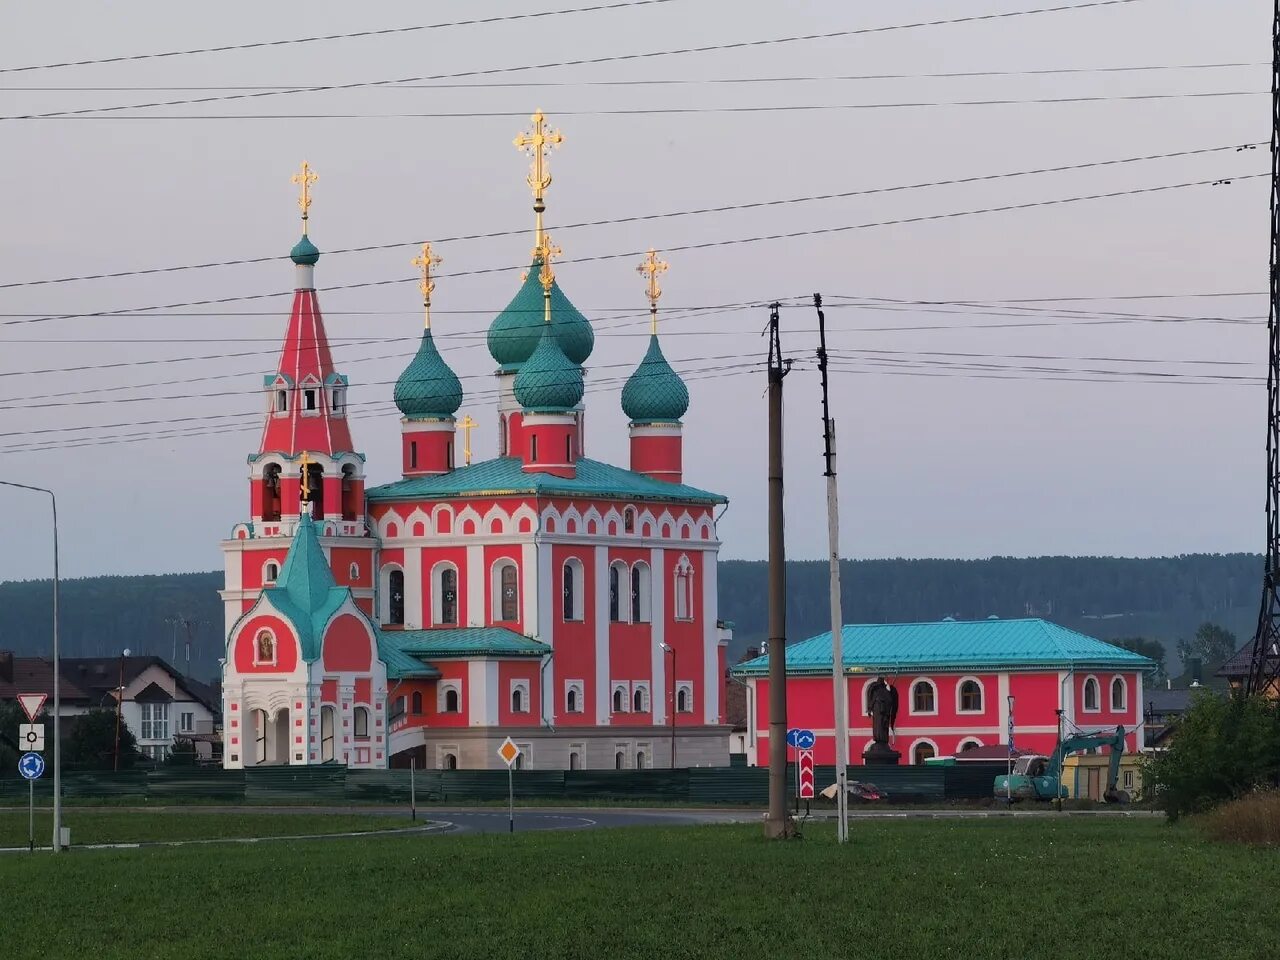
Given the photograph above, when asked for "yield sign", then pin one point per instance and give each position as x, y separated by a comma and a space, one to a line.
31, 703
805, 781
508, 751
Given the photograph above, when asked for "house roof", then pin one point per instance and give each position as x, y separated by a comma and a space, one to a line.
1169, 701
1240, 662
989, 753
305, 593
504, 476
951, 645
35, 675
153, 693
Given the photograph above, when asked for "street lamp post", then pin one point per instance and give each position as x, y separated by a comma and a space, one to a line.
57, 672
667, 648
115, 763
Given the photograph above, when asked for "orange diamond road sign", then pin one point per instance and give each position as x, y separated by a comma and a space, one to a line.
806, 774
508, 751
31, 703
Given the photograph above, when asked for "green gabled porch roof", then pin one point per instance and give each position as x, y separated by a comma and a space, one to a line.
503, 476
305, 594
461, 642
951, 645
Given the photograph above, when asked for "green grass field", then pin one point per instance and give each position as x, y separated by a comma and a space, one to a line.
1071, 888
110, 826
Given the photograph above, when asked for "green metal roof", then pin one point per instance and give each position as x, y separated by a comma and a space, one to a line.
504, 476
548, 382
654, 393
305, 252
428, 389
515, 332
400, 665
305, 593
462, 642
951, 645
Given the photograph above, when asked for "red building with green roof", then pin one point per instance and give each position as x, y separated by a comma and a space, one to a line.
567, 603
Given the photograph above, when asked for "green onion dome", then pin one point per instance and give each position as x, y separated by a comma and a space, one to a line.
428, 389
655, 393
549, 381
304, 252
517, 330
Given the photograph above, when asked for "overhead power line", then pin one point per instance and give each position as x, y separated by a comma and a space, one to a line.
697, 211
588, 61
258, 45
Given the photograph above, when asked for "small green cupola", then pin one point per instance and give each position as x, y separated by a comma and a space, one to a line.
655, 393
304, 252
549, 381
516, 332
428, 389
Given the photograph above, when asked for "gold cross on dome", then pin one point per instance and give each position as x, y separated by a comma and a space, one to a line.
649, 268
425, 261
546, 252
536, 144
305, 178
304, 462
467, 426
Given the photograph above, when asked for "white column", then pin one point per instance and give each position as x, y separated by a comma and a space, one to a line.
413, 615
482, 693
1002, 687
476, 575
712, 680
600, 614
658, 617
1067, 698
532, 586
543, 628
492, 694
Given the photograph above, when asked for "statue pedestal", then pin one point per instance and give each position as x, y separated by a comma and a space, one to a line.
881, 753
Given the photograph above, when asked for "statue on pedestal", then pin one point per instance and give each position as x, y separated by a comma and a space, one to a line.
882, 708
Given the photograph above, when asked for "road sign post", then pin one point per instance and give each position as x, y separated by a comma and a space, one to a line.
509, 753
804, 774
801, 741
31, 766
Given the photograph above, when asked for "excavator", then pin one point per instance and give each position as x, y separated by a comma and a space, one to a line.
1036, 777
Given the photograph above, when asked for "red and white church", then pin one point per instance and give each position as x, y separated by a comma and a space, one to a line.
567, 603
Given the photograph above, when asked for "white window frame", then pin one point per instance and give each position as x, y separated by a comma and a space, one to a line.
437, 594
187, 721
618, 687
911, 698
579, 589
311, 386
360, 710
574, 686
495, 589
270, 579
522, 687
644, 750
982, 698
685, 687
155, 721
911, 752
384, 593
974, 740
640, 598
443, 750
1126, 779
442, 691
1124, 694
646, 703
623, 595
625, 750
279, 400
1084, 695
580, 751
525, 759
338, 400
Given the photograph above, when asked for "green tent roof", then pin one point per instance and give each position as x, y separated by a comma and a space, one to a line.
953, 645
504, 476
305, 593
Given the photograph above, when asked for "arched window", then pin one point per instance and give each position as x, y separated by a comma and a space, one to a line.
350, 504
451, 761
360, 723
973, 743
1091, 694
417, 703
264, 648
617, 573
619, 700
970, 696
641, 760
572, 607
338, 403
282, 401
1119, 694
519, 764
924, 698
684, 590
629, 520
271, 492
506, 592
640, 593
533, 458
619, 760
395, 598
517, 700
682, 700
444, 595
271, 572
637, 700
575, 760
315, 489
451, 701
326, 734
922, 751
353, 572
571, 701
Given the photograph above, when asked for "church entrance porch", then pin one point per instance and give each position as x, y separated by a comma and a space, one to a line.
270, 737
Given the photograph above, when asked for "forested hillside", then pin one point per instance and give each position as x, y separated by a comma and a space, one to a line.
1162, 598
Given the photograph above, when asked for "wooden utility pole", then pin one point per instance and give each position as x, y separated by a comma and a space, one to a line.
779, 823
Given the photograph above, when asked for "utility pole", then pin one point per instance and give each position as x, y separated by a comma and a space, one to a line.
779, 824
837, 617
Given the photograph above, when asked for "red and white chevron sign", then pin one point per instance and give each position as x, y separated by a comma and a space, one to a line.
805, 765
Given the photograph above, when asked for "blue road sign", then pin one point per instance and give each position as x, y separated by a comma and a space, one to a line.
31, 766
800, 739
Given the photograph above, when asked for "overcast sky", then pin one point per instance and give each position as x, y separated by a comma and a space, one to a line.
941, 455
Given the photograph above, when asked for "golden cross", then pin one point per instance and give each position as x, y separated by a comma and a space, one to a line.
547, 251
426, 260
536, 145
305, 179
304, 462
467, 426
649, 268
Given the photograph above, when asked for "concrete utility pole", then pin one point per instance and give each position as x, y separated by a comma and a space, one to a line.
837, 617
779, 824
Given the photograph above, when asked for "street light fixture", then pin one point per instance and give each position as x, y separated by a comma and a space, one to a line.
57, 672
667, 648
115, 764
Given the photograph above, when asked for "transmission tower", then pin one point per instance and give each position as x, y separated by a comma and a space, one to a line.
1264, 667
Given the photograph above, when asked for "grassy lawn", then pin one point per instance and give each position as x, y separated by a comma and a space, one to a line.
109, 826
903, 889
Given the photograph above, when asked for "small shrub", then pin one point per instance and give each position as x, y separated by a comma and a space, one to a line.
1253, 819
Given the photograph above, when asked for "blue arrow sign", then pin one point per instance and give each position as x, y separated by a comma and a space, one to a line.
31, 766
800, 739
